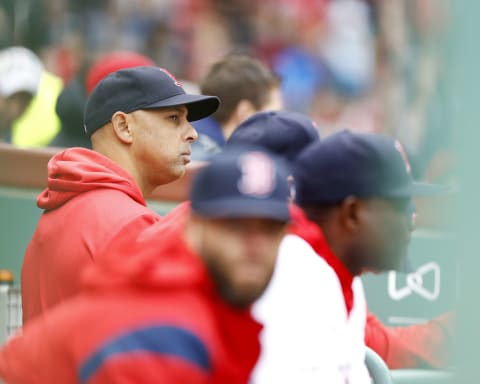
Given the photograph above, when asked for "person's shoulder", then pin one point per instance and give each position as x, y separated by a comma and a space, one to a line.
296, 252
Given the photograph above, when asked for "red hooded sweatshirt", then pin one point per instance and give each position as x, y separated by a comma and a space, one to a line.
149, 314
88, 199
417, 346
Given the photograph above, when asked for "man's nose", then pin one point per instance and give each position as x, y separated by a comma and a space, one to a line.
192, 134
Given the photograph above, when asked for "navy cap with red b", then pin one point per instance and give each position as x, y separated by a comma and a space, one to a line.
241, 182
144, 87
352, 164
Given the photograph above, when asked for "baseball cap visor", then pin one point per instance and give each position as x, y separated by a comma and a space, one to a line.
241, 208
199, 106
426, 189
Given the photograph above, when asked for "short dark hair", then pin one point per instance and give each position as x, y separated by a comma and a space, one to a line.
319, 212
238, 77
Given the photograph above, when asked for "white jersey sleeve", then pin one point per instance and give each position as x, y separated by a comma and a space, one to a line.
305, 337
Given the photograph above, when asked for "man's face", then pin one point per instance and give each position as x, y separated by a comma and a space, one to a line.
162, 143
11, 108
240, 255
382, 241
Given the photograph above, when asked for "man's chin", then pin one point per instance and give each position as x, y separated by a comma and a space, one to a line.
243, 300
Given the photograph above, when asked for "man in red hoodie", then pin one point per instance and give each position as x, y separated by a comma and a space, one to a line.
138, 120
171, 305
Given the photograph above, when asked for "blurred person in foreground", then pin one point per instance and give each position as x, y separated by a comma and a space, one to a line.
171, 304
71, 101
418, 346
354, 191
28, 93
138, 121
245, 86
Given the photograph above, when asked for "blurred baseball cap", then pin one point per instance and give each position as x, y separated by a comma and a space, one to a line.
363, 165
285, 133
242, 181
144, 87
20, 70
112, 62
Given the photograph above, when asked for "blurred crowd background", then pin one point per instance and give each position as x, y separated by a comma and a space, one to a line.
369, 65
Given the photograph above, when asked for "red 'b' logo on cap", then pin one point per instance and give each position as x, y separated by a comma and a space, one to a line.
177, 83
258, 174
399, 148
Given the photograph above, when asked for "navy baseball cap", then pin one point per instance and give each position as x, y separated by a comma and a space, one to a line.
240, 182
144, 87
363, 165
282, 132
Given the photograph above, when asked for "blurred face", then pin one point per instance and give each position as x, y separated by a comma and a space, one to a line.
12, 107
384, 234
240, 255
162, 143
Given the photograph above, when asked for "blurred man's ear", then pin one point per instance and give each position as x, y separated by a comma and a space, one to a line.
244, 110
350, 214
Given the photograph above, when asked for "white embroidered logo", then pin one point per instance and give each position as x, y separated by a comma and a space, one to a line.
258, 174
169, 74
415, 283
399, 148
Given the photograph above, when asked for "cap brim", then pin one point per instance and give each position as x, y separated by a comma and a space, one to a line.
199, 106
243, 208
426, 189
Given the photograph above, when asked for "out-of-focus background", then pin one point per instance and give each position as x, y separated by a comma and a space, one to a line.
369, 65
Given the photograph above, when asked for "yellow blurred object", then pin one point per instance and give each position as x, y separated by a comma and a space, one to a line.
40, 123
6, 276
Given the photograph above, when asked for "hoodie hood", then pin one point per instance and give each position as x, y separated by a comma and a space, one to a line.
156, 258
78, 170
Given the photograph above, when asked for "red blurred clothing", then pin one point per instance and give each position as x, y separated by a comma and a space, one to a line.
88, 199
149, 313
417, 346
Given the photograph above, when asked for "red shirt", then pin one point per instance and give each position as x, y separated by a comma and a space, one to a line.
88, 199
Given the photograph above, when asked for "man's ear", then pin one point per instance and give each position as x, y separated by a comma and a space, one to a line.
350, 214
244, 110
121, 127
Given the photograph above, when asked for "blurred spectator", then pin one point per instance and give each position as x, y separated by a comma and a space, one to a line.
72, 99
425, 345
411, 77
334, 111
112, 62
299, 62
28, 94
69, 108
302, 73
244, 86
348, 49
24, 23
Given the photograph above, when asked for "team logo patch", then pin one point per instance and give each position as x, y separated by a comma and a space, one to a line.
399, 148
258, 174
177, 83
